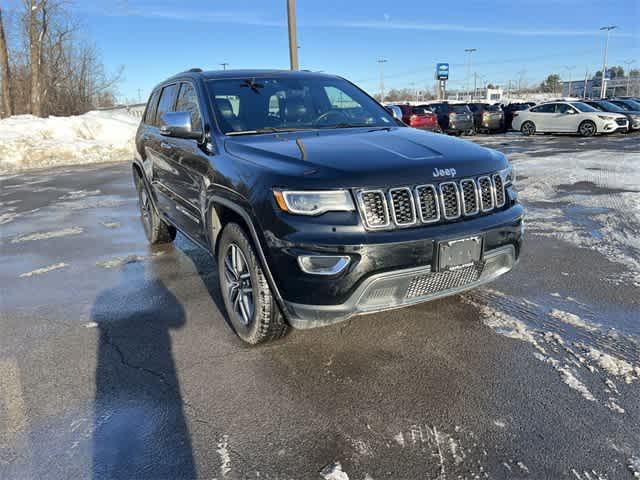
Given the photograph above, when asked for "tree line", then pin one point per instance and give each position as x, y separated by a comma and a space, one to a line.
47, 67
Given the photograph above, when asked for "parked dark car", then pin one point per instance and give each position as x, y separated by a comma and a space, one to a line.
626, 103
453, 118
508, 111
487, 118
316, 203
418, 117
607, 106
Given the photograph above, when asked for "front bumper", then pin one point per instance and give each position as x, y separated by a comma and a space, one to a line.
386, 291
335, 298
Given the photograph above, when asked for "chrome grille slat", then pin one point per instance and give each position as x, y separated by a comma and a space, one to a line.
425, 204
403, 210
450, 200
485, 188
498, 189
374, 208
469, 196
428, 203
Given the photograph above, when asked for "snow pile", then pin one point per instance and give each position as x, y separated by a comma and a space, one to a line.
28, 142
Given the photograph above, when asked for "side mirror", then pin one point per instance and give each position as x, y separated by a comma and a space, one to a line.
395, 111
178, 124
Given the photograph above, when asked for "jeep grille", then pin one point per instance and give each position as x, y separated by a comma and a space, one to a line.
425, 204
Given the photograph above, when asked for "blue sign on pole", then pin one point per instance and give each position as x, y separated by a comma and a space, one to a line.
442, 71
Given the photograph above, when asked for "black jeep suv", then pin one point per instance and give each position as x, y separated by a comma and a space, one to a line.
317, 204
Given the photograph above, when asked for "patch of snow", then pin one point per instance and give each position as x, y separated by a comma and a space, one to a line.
573, 320
523, 467
615, 366
613, 406
111, 224
91, 325
225, 458
28, 142
634, 466
500, 424
121, 261
47, 235
399, 438
573, 382
40, 271
79, 194
333, 471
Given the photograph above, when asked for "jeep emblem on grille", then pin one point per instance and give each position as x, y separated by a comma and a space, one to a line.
444, 172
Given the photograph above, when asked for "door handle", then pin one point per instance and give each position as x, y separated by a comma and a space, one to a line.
166, 146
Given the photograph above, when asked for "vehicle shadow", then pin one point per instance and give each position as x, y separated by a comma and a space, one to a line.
140, 430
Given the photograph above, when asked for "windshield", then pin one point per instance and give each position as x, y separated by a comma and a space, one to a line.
270, 104
583, 107
459, 108
630, 105
609, 107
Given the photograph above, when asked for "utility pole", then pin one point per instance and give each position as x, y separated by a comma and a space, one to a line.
224, 65
469, 66
382, 61
521, 75
586, 79
603, 86
293, 37
569, 68
628, 63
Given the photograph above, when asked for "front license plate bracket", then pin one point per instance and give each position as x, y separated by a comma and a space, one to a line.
459, 253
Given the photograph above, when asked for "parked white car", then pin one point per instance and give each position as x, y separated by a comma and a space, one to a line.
568, 117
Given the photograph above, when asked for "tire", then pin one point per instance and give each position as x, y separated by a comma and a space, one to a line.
251, 309
587, 129
528, 128
155, 228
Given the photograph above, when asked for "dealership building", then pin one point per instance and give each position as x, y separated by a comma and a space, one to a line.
615, 86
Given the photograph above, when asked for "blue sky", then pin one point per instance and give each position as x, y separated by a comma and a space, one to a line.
156, 38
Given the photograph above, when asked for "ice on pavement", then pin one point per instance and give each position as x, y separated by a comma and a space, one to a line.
28, 142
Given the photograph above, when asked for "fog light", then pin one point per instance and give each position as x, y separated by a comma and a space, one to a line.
323, 264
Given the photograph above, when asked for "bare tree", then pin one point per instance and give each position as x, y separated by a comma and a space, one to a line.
5, 72
37, 12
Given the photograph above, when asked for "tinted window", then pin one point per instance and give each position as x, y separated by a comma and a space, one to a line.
583, 107
166, 101
564, 108
301, 102
188, 102
418, 111
493, 108
607, 107
150, 114
547, 108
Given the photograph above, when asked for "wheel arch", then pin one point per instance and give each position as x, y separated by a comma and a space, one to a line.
223, 210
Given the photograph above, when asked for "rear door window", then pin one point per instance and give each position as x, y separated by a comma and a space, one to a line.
547, 108
167, 100
150, 114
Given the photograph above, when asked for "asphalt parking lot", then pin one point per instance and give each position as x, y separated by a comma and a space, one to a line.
116, 361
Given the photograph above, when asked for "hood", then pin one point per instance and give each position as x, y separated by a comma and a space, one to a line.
368, 157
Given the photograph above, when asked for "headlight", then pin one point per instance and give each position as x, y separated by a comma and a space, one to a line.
313, 202
604, 117
508, 175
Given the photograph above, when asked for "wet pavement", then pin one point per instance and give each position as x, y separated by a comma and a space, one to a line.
116, 361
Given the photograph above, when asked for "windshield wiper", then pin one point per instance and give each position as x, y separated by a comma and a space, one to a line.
347, 125
260, 131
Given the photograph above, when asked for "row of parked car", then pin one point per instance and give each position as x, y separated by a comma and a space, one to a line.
586, 117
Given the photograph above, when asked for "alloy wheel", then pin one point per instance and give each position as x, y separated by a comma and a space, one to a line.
145, 209
587, 129
238, 280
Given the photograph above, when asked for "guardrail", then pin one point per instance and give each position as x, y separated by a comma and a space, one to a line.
135, 110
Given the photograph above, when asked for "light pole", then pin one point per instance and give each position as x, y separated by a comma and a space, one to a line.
293, 36
569, 68
469, 66
603, 86
382, 61
224, 65
521, 75
628, 63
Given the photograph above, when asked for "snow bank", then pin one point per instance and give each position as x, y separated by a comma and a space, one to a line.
28, 142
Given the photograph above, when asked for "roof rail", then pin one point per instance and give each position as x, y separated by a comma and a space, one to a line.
195, 70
